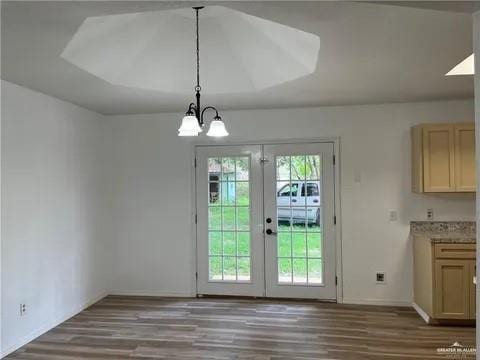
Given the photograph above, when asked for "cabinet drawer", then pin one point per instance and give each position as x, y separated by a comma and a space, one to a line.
455, 251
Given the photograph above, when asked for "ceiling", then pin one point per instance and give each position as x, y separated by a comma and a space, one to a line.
130, 50
369, 53
456, 5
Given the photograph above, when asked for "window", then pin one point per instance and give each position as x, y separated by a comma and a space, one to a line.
312, 189
286, 190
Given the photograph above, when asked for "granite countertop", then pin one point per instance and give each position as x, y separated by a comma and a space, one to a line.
445, 232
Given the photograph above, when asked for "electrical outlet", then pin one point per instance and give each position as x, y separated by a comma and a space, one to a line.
357, 176
23, 309
393, 215
429, 214
380, 277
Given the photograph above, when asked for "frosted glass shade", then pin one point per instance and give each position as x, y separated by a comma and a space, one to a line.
217, 129
187, 133
189, 127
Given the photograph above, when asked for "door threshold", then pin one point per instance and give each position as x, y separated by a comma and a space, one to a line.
238, 297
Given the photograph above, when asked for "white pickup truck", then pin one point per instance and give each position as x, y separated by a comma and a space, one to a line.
299, 202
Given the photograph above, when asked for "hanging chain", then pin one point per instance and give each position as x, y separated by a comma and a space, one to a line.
198, 87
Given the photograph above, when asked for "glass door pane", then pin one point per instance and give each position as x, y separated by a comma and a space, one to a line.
299, 220
229, 218
299, 199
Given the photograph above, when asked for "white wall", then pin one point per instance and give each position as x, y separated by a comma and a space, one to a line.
78, 187
152, 192
55, 239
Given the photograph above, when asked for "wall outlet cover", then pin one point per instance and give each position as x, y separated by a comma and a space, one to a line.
430, 214
380, 277
393, 215
23, 309
357, 176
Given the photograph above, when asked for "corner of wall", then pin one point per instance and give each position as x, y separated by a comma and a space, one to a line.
86, 237
476, 47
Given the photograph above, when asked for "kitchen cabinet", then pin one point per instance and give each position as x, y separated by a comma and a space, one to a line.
452, 289
443, 158
465, 169
473, 289
443, 280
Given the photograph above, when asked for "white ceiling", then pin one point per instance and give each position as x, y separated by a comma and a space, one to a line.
370, 53
130, 50
443, 5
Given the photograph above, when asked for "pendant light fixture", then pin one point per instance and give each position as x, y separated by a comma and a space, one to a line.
193, 122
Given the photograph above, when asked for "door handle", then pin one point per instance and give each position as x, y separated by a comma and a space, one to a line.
294, 200
270, 232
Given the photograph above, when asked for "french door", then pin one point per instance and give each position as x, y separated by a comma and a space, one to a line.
265, 220
230, 245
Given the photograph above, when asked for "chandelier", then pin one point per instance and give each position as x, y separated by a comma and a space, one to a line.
193, 122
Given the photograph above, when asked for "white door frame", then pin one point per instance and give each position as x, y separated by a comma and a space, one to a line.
338, 211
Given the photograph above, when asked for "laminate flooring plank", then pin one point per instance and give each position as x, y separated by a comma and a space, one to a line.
135, 328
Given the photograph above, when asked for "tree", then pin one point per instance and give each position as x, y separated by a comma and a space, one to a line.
302, 167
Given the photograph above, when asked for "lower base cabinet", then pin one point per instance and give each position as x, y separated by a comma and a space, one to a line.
454, 289
443, 280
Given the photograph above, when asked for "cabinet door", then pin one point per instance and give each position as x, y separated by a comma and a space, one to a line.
473, 289
465, 173
452, 289
438, 158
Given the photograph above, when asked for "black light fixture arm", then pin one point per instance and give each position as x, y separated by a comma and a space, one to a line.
198, 106
216, 117
194, 109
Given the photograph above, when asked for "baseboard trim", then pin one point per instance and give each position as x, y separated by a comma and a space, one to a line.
38, 332
377, 302
192, 295
422, 313
154, 294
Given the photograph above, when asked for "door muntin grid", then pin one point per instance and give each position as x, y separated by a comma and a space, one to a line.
299, 220
229, 230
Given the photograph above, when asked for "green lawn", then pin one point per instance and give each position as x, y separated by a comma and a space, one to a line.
295, 245
299, 246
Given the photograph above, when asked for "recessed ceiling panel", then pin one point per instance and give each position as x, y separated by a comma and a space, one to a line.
156, 50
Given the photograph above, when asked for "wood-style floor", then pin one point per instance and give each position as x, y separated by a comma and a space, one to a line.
120, 327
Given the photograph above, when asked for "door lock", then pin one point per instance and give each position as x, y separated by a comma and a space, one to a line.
268, 220
270, 232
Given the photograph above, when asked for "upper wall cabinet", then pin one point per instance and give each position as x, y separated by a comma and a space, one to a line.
443, 158
465, 169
